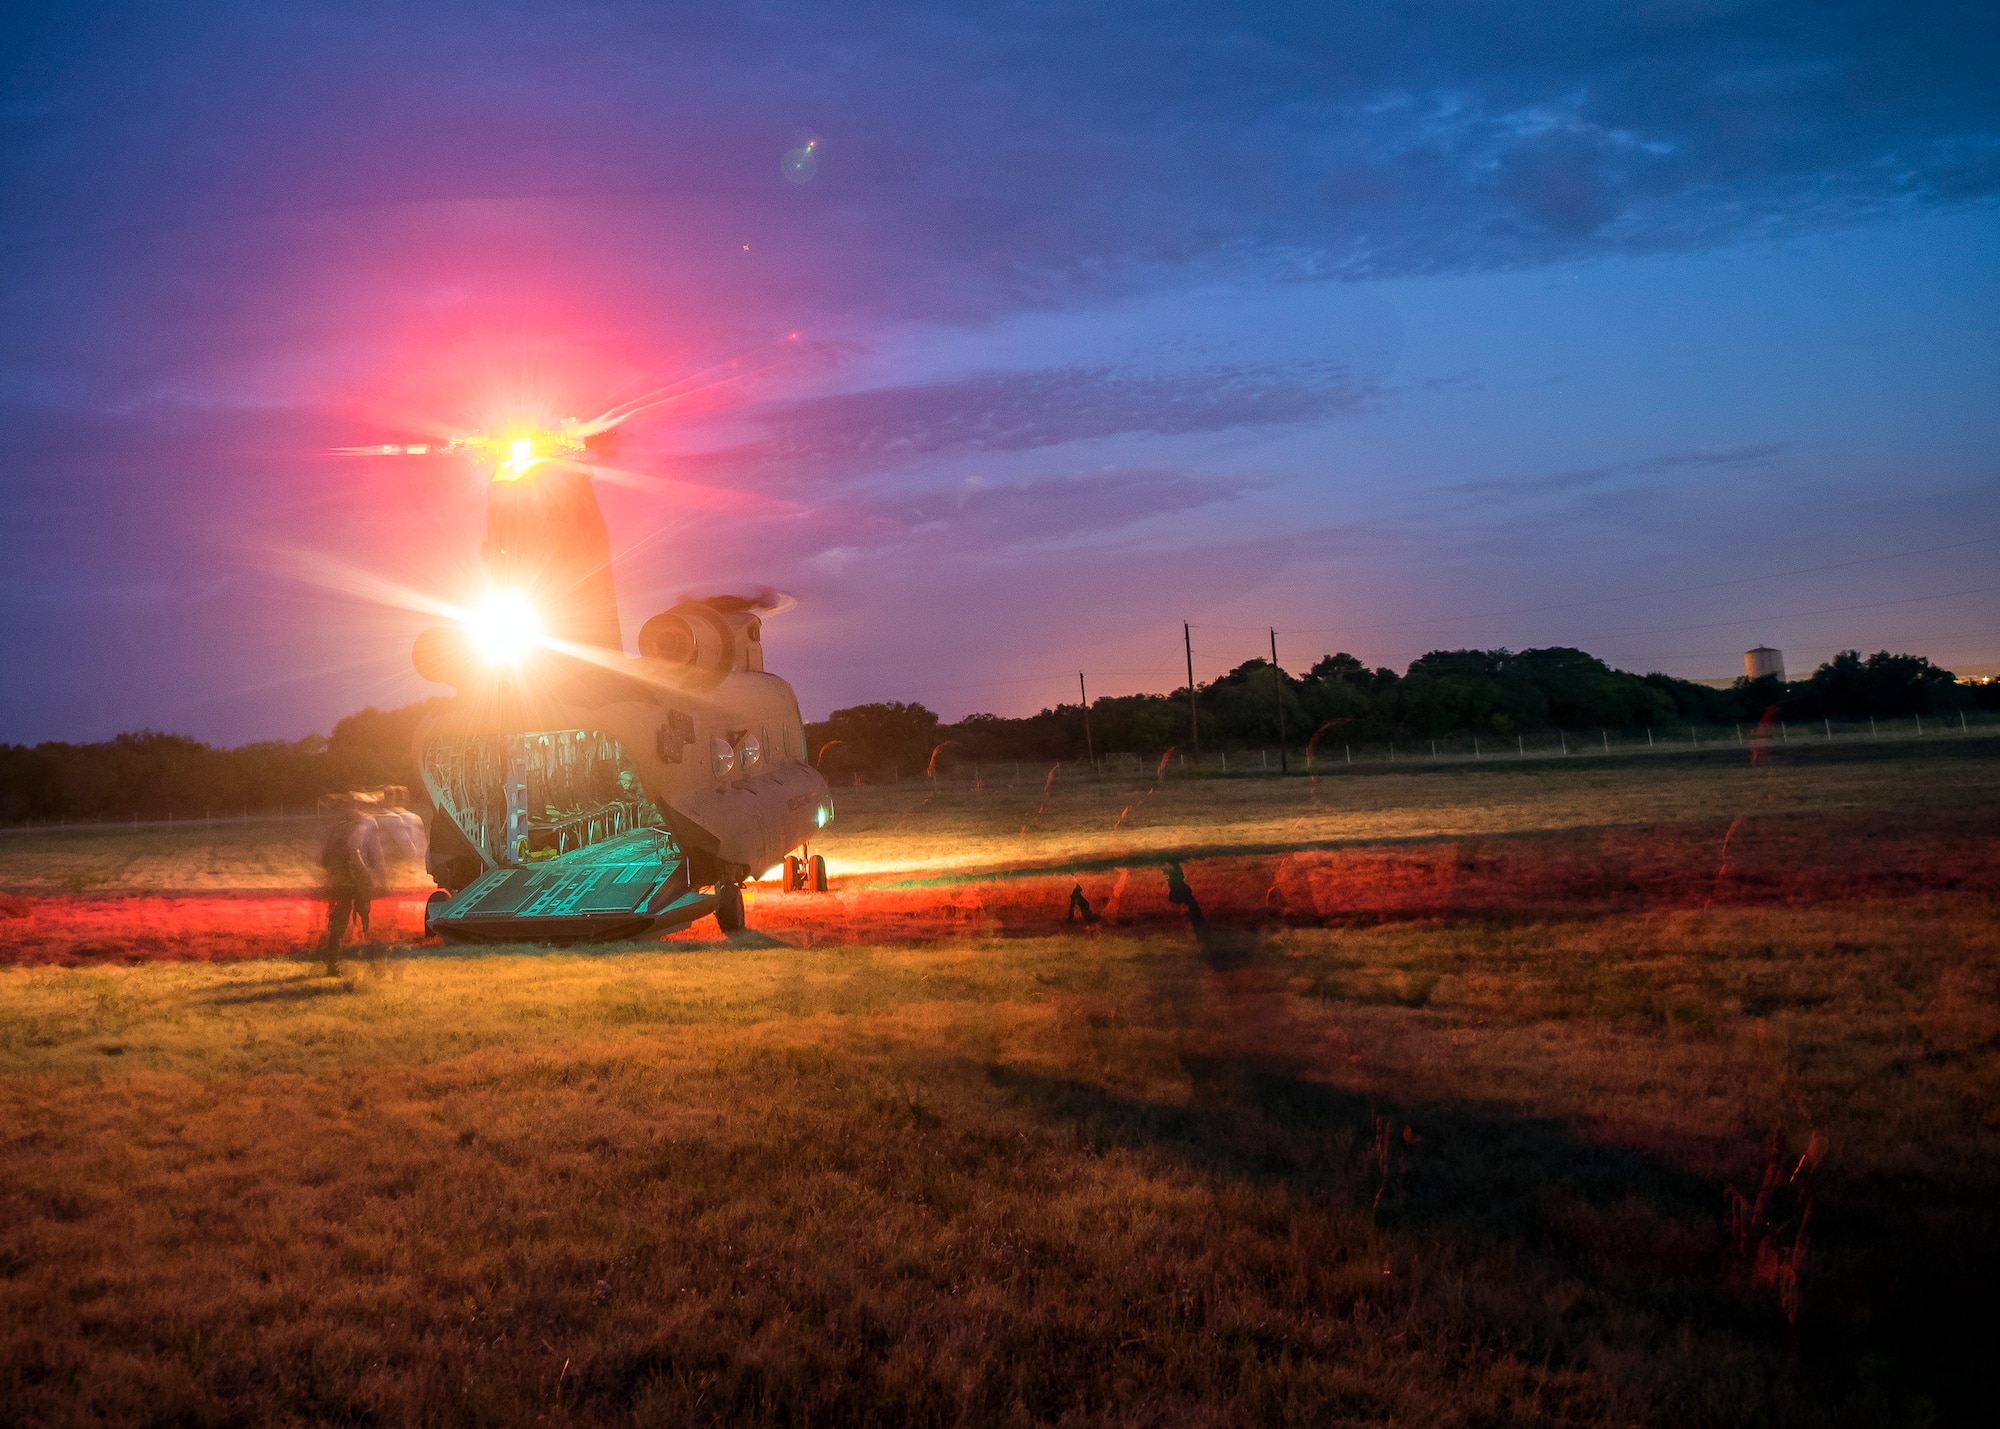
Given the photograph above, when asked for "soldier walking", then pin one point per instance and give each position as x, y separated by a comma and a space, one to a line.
404, 838
355, 870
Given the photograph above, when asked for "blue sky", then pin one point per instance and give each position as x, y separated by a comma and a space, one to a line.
1662, 330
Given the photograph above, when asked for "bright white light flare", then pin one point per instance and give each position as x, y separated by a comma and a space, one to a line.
503, 627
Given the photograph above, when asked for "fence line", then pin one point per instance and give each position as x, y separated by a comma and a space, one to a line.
1483, 750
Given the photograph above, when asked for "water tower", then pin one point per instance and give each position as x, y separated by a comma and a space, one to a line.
1764, 661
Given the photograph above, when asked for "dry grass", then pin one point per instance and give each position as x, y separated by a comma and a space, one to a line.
269, 855
994, 1173
881, 832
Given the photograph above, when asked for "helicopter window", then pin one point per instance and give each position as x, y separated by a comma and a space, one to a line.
750, 752
721, 757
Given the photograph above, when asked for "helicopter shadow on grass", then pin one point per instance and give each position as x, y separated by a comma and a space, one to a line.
364, 964
664, 945
385, 960
1474, 1179
742, 938
1261, 1111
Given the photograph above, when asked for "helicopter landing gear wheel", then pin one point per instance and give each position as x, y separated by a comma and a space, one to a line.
795, 873
729, 907
816, 874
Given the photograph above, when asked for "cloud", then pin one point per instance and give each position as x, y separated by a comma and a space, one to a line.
975, 520
236, 234
242, 199
1047, 508
968, 162
1021, 411
1584, 478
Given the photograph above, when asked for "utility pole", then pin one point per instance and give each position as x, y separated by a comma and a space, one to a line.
1278, 676
1194, 726
1089, 752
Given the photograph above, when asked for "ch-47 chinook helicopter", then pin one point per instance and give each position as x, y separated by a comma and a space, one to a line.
582, 794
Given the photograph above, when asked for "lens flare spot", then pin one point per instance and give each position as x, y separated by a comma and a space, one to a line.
799, 165
503, 627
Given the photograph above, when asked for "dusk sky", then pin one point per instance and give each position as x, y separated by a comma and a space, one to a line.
1662, 330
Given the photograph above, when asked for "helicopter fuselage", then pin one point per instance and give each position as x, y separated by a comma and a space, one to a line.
580, 792
528, 772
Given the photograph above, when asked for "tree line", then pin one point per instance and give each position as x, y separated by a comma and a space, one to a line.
1500, 693
149, 775
1497, 693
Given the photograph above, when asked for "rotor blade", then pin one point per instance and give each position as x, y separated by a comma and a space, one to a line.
759, 600
706, 498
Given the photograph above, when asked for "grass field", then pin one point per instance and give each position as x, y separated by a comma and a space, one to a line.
1618, 1094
